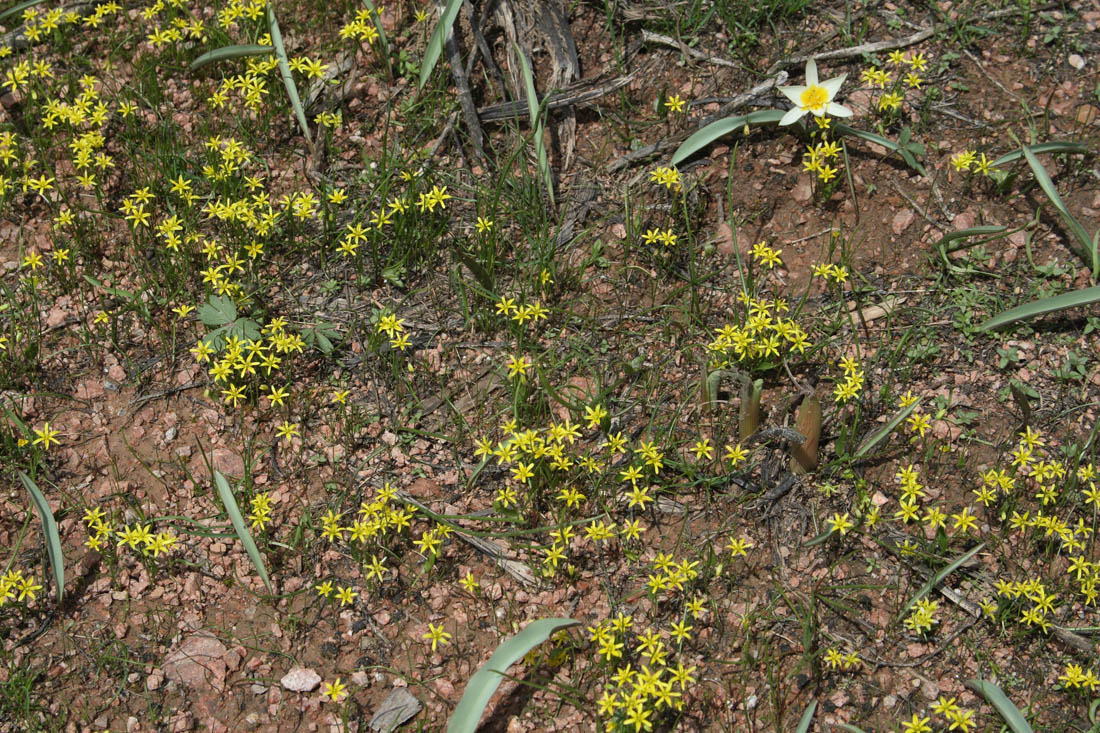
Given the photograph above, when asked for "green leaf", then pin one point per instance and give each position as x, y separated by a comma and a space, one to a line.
807, 717
905, 151
850, 728
938, 577
235, 516
19, 9
487, 679
1055, 147
1088, 244
218, 310
226, 53
49, 530
284, 69
439, 36
996, 697
715, 130
536, 123
879, 435
1076, 299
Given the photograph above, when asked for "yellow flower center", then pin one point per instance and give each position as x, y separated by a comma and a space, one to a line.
814, 97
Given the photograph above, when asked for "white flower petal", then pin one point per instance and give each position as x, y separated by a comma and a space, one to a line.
793, 93
811, 72
837, 110
794, 114
833, 85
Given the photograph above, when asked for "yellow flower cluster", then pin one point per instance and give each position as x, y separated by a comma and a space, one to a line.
923, 617
835, 660
827, 270
521, 314
635, 696
237, 9
261, 511
1075, 677
666, 176
816, 159
394, 329
968, 160
16, 586
852, 385
251, 86
362, 28
664, 236
139, 537
765, 335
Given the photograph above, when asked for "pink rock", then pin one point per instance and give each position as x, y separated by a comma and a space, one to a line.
228, 462
902, 220
301, 679
198, 662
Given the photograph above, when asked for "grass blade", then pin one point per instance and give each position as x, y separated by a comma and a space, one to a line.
1057, 147
807, 718
715, 130
227, 53
19, 9
536, 122
234, 512
439, 36
850, 728
996, 697
49, 530
938, 577
1087, 243
1076, 299
284, 69
486, 680
879, 435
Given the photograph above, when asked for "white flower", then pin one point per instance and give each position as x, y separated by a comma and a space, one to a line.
814, 97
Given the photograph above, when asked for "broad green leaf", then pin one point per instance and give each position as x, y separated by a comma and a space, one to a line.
1056, 147
486, 680
879, 435
19, 9
850, 728
996, 697
938, 577
49, 531
227, 53
1087, 243
218, 310
439, 37
715, 130
284, 69
536, 122
807, 717
905, 151
235, 516
1076, 299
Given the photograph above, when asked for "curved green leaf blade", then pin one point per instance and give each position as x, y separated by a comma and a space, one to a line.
536, 122
1056, 147
439, 36
228, 53
486, 680
1085, 296
807, 717
996, 697
49, 530
715, 130
1087, 249
234, 512
284, 69
877, 437
906, 151
850, 728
